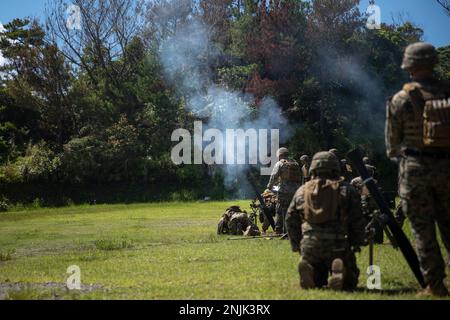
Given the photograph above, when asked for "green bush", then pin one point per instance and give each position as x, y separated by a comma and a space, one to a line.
38, 164
37, 203
4, 204
184, 195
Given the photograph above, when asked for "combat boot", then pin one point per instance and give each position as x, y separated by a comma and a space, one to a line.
306, 275
336, 280
436, 289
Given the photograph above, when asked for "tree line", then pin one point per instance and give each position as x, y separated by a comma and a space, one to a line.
86, 114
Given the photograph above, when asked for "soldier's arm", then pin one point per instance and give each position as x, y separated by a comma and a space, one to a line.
357, 223
294, 220
394, 124
274, 177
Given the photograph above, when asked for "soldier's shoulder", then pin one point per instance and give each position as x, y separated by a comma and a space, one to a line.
276, 166
300, 192
400, 98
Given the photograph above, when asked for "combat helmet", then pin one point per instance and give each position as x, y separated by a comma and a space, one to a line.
282, 152
420, 54
334, 151
304, 158
325, 162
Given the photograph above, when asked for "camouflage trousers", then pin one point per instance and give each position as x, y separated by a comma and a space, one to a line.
320, 255
424, 187
284, 200
240, 224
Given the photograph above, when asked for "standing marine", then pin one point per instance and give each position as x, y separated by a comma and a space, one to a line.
369, 207
326, 226
418, 138
345, 168
287, 177
306, 162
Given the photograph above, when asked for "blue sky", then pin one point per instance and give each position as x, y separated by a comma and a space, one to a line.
426, 13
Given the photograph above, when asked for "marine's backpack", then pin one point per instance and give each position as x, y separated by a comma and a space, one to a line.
322, 201
432, 113
290, 171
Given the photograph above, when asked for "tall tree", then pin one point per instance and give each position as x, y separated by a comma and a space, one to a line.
38, 79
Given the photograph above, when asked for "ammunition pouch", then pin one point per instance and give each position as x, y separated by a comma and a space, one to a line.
431, 127
436, 131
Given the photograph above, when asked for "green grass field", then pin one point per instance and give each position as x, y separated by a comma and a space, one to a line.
161, 251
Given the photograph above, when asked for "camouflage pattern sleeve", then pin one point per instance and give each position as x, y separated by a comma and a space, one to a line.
275, 176
294, 220
394, 124
357, 222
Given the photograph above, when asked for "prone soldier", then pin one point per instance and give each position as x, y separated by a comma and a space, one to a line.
237, 222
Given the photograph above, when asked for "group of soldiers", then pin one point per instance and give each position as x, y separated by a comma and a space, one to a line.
320, 205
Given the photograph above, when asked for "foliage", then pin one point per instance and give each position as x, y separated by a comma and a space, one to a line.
88, 109
4, 206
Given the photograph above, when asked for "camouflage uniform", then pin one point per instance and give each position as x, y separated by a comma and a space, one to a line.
424, 175
237, 222
240, 224
305, 174
368, 205
305, 169
270, 200
287, 176
320, 244
346, 169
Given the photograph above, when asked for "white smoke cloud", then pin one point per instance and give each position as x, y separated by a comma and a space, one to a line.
188, 57
348, 72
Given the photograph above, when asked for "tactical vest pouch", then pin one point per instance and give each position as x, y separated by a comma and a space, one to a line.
321, 201
436, 132
414, 129
432, 114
